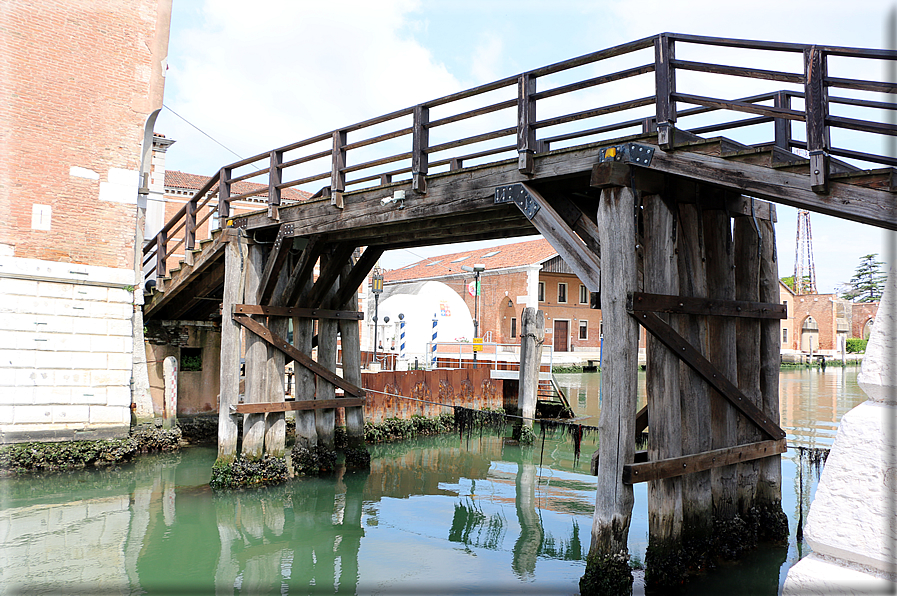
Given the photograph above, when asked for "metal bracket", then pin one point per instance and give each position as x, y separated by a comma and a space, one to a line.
634, 153
517, 194
237, 223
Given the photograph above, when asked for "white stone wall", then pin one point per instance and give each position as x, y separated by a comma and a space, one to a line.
66, 350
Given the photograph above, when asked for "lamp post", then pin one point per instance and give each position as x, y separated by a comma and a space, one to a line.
476, 270
377, 289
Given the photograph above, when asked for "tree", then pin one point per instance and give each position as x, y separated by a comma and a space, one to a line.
867, 283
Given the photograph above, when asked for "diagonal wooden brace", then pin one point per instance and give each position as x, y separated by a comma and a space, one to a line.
291, 352
693, 358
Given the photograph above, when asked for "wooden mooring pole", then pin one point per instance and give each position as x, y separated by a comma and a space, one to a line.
532, 336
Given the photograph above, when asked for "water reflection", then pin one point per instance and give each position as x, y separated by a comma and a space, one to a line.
440, 514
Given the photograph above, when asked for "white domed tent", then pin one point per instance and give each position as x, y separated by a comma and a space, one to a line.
420, 303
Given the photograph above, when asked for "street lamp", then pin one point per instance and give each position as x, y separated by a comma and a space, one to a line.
377, 289
476, 269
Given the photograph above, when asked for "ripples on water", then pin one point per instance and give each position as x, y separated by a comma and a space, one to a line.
434, 515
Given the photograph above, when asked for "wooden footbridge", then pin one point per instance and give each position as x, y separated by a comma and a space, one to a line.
668, 224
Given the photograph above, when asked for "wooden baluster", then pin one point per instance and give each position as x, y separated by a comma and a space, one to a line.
161, 254
337, 175
420, 141
223, 196
275, 175
190, 230
816, 101
665, 85
783, 125
526, 118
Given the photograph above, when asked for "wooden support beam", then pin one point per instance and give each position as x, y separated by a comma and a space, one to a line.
294, 311
256, 365
641, 422
280, 250
585, 264
301, 273
720, 265
614, 500
325, 419
282, 345
643, 302
350, 338
665, 87
275, 422
662, 382
816, 100
231, 347
304, 342
689, 464
581, 223
846, 201
204, 285
224, 195
702, 366
293, 406
329, 274
349, 284
338, 174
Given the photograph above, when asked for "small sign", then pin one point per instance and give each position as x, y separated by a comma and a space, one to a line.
478, 344
444, 310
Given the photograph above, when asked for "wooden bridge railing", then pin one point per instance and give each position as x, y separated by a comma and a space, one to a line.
443, 131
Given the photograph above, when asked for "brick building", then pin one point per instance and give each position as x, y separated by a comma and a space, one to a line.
80, 86
516, 276
822, 322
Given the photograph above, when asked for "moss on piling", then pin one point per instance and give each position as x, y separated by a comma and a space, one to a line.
316, 461
243, 473
607, 575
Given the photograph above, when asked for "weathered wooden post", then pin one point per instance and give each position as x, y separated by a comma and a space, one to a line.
532, 336
303, 334
773, 522
661, 276
275, 422
231, 348
608, 556
327, 329
256, 363
351, 350
721, 353
697, 503
747, 345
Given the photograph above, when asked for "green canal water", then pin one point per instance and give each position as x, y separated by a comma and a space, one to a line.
437, 515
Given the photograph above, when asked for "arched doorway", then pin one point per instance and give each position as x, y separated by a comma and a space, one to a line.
867, 328
809, 335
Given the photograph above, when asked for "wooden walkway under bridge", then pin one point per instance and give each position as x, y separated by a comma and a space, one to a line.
669, 193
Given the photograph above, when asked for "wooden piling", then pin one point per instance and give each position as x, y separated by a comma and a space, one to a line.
747, 346
721, 353
256, 363
303, 334
773, 521
696, 430
661, 276
275, 422
351, 350
231, 333
327, 329
532, 336
613, 503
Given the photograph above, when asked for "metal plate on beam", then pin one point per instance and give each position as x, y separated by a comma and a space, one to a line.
517, 194
627, 153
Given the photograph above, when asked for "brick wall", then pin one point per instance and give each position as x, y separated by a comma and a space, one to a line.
78, 82
861, 313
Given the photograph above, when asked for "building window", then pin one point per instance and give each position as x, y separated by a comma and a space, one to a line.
513, 327
583, 294
785, 302
541, 291
562, 293
784, 336
213, 221
583, 329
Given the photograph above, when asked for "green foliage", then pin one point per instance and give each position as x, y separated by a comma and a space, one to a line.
856, 345
868, 282
523, 434
249, 474
191, 361
566, 369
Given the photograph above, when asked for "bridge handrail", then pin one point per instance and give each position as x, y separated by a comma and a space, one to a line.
811, 107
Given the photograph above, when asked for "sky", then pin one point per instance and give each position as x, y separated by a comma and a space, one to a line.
246, 77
